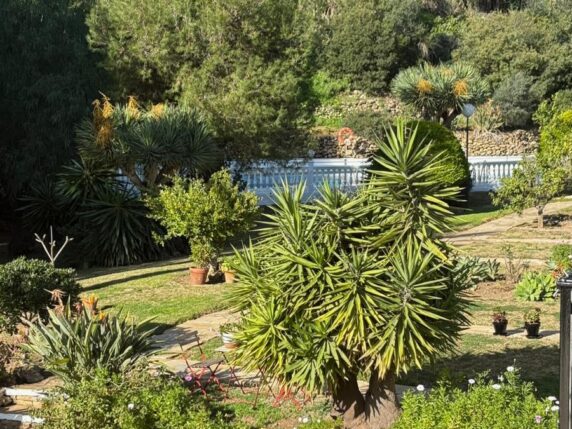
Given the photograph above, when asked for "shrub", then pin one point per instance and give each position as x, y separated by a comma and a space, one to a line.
556, 141
480, 270
26, 286
368, 124
508, 405
560, 256
439, 92
536, 287
548, 109
74, 344
517, 100
454, 167
207, 214
137, 400
363, 46
505, 44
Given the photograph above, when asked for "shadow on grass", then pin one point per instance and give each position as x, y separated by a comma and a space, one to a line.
131, 278
539, 364
91, 273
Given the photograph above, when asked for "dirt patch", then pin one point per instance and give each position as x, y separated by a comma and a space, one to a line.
502, 290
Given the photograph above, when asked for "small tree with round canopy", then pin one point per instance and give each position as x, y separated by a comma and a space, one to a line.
349, 286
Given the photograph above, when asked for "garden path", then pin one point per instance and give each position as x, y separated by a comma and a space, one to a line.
492, 229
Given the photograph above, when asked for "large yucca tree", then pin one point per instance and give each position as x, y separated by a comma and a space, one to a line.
439, 92
354, 287
148, 145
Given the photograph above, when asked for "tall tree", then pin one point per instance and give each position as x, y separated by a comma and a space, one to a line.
48, 78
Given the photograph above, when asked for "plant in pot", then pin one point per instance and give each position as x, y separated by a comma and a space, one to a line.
209, 214
532, 323
227, 331
227, 267
500, 321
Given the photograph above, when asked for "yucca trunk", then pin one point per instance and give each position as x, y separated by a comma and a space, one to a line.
377, 409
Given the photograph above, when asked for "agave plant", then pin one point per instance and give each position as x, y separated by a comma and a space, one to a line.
439, 92
75, 344
354, 285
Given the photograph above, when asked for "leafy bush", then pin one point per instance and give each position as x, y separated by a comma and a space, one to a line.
485, 405
487, 117
207, 214
324, 88
505, 44
137, 400
74, 344
517, 100
439, 92
548, 109
556, 141
453, 165
560, 256
536, 286
368, 124
26, 286
363, 47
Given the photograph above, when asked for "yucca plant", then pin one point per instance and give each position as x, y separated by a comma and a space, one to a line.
148, 145
76, 342
348, 286
439, 92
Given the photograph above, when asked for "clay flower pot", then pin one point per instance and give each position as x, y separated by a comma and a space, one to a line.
199, 276
229, 276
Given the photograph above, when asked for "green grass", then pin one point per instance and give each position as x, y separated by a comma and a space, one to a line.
160, 290
476, 214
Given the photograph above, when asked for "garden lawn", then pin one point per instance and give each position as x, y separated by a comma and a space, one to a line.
160, 290
479, 351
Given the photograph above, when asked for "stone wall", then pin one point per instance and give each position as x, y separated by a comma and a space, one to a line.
518, 142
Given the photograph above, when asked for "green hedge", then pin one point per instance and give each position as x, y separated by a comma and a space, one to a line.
25, 286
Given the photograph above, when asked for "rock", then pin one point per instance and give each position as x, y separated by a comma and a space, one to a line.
30, 374
5, 400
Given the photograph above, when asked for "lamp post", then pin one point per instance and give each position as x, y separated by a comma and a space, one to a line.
467, 110
565, 287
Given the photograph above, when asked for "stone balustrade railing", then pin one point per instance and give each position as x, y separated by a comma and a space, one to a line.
348, 174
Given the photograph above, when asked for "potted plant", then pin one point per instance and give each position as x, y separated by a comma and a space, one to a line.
227, 331
227, 267
532, 323
500, 321
209, 214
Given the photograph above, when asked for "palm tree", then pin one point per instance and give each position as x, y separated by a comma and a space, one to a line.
349, 286
148, 146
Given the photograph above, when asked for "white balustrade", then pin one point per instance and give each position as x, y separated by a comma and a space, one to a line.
347, 174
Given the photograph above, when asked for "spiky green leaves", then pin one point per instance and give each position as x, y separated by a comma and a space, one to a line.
352, 284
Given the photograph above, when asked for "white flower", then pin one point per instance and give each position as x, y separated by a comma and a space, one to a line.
319, 421
510, 368
500, 378
305, 420
552, 398
300, 419
554, 408
472, 381
420, 388
496, 386
557, 402
130, 407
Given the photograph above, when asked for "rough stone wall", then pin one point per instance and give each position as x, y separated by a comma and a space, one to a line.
358, 101
518, 142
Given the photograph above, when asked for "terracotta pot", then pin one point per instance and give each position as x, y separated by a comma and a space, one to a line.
532, 330
199, 276
500, 327
229, 276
